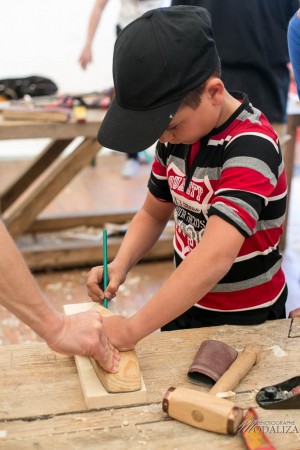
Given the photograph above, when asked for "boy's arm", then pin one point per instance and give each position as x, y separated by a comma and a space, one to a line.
77, 334
143, 232
198, 273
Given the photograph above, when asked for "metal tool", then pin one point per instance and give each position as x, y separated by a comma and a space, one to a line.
285, 395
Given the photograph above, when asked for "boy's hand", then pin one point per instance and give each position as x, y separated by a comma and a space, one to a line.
95, 280
119, 333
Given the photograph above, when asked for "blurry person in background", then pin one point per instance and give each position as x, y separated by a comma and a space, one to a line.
251, 38
129, 11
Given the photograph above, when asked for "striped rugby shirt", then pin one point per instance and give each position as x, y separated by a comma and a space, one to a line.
236, 172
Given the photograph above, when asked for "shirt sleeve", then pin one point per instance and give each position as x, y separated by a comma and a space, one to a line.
158, 181
252, 180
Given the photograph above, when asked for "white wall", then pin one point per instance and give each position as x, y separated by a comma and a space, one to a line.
45, 37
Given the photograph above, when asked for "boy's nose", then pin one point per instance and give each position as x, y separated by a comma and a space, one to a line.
165, 137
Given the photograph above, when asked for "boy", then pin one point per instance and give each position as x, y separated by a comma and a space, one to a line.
218, 169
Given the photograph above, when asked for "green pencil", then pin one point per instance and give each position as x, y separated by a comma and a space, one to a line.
105, 270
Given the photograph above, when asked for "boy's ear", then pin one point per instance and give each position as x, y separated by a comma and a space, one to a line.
215, 89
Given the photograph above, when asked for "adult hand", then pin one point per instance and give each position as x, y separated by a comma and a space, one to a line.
84, 334
95, 280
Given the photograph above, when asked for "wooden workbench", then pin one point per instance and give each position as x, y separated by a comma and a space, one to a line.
48, 174
42, 406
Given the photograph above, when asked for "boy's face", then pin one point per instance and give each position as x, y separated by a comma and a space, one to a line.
190, 125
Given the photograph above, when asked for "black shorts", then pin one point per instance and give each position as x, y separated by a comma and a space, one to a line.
198, 317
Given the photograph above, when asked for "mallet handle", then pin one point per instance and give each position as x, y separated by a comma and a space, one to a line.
238, 369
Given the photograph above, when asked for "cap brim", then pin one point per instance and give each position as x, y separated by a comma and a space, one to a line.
131, 131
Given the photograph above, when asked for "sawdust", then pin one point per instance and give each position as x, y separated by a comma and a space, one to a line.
131, 281
10, 322
81, 419
278, 351
54, 286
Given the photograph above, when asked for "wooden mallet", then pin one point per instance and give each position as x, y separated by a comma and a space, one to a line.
205, 410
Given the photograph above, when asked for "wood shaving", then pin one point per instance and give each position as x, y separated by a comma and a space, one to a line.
227, 394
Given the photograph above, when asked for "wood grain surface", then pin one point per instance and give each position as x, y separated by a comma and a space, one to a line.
108, 389
42, 405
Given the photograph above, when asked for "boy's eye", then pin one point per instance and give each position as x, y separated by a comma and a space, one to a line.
173, 127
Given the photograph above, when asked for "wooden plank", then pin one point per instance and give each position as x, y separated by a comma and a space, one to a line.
38, 382
69, 130
135, 428
20, 216
42, 377
87, 253
83, 421
49, 154
65, 220
30, 130
38, 114
128, 378
165, 434
101, 389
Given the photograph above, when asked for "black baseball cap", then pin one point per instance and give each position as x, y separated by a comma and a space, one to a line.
158, 59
